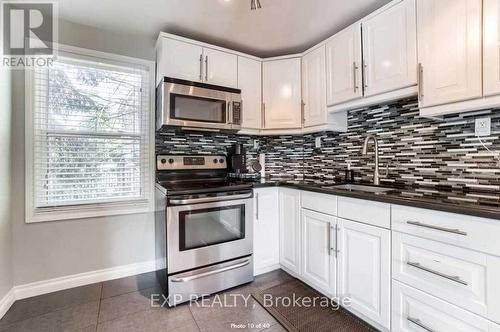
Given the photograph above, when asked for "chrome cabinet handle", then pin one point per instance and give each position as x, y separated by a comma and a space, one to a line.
263, 115
446, 276
355, 76
443, 229
420, 81
337, 229
419, 323
209, 199
257, 206
365, 77
303, 111
201, 67
206, 68
209, 273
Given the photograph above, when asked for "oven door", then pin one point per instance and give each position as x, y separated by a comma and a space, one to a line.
208, 233
196, 107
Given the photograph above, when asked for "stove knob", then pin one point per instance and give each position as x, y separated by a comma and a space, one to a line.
170, 161
163, 161
215, 161
221, 161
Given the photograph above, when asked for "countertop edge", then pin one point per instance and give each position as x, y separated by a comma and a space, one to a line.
411, 202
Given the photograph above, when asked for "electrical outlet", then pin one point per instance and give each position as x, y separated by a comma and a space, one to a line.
255, 144
483, 127
318, 142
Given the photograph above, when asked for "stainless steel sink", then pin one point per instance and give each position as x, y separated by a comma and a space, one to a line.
357, 187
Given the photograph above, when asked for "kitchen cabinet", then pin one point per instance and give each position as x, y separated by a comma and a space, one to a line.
449, 50
250, 84
319, 266
282, 94
192, 62
491, 47
179, 59
314, 87
221, 68
415, 311
343, 66
289, 219
364, 265
266, 230
390, 49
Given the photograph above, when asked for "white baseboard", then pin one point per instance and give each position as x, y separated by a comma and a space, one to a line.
81, 279
266, 269
6, 302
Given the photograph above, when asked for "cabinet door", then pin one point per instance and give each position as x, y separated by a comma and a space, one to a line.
314, 87
221, 68
250, 84
318, 258
449, 50
282, 94
178, 59
390, 49
491, 44
266, 230
343, 66
289, 204
365, 269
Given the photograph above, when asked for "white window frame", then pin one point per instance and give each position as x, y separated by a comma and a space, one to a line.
33, 214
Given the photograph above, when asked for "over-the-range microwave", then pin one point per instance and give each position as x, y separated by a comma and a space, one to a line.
197, 106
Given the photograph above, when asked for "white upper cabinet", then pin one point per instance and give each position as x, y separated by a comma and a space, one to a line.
179, 59
491, 50
282, 94
250, 84
343, 66
390, 49
221, 68
449, 50
188, 61
314, 87
365, 269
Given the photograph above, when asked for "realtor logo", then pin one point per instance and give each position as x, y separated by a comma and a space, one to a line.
28, 33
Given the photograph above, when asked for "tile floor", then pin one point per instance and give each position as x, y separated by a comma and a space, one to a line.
125, 305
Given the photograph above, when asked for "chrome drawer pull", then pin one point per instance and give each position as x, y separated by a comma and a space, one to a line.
209, 273
419, 323
426, 269
443, 229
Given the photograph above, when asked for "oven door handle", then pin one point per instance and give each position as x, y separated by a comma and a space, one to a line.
209, 199
209, 273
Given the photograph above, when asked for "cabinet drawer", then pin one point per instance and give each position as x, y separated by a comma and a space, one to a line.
368, 212
463, 277
464, 231
413, 310
323, 203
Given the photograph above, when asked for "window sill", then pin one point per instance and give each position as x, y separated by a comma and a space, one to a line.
87, 211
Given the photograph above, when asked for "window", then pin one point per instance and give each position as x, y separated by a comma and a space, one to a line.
89, 131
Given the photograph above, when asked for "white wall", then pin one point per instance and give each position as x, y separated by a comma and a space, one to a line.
5, 176
54, 249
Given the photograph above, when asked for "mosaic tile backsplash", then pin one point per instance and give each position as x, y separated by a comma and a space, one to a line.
435, 153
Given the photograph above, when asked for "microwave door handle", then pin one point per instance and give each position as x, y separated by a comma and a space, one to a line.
229, 112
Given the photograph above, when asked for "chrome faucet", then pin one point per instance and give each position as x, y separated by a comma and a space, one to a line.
376, 174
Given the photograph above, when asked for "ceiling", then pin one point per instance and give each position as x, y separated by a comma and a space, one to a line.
280, 27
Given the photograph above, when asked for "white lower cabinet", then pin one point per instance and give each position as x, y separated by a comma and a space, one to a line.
364, 265
319, 266
414, 310
289, 239
266, 230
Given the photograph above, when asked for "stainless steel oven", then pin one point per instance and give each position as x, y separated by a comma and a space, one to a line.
198, 106
207, 229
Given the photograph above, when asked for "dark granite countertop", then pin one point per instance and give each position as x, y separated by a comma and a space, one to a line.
479, 204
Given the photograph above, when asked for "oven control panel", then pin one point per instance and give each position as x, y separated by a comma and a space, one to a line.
183, 162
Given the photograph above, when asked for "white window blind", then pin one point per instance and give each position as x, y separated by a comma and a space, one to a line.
91, 124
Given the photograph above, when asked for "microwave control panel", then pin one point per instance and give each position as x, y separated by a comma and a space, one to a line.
236, 112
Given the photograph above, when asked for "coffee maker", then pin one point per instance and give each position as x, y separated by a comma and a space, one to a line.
237, 159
